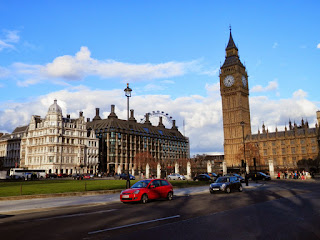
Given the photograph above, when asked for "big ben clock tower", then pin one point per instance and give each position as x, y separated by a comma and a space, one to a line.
234, 92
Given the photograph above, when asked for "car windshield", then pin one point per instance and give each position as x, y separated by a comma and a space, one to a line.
262, 174
221, 180
141, 184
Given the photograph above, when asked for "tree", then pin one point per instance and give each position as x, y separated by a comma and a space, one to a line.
252, 151
142, 158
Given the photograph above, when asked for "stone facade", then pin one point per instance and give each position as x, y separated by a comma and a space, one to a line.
283, 149
10, 148
59, 145
128, 144
234, 90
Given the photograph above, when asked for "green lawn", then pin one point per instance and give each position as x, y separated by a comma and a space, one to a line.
50, 186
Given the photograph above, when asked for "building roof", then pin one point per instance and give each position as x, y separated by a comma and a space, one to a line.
112, 123
231, 43
55, 108
234, 58
20, 129
282, 134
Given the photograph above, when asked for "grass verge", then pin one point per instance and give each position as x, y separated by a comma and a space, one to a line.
51, 186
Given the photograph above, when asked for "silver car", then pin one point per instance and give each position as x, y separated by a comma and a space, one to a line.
176, 176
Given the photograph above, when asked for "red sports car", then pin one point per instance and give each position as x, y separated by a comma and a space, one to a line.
147, 189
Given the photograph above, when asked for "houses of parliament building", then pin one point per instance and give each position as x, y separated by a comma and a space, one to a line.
283, 149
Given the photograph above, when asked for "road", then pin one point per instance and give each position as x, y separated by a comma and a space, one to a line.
274, 210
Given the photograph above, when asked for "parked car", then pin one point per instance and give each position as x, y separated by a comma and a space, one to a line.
202, 177
226, 184
123, 176
51, 175
62, 175
213, 175
86, 176
77, 176
258, 176
176, 176
241, 179
146, 190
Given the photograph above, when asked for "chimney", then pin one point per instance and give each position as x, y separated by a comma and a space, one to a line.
160, 122
112, 113
97, 117
68, 116
174, 125
88, 119
132, 116
80, 114
147, 119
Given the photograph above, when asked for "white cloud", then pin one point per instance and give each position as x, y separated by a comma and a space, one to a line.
9, 39
275, 45
75, 68
318, 46
202, 115
300, 94
4, 72
272, 85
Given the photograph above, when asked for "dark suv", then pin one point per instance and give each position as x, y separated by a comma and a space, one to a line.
258, 176
226, 184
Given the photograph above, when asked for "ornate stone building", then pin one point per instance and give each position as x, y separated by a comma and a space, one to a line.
10, 148
127, 143
281, 149
59, 144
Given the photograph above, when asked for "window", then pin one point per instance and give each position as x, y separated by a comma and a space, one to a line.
164, 183
283, 150
293, 150
303, 150
302, 141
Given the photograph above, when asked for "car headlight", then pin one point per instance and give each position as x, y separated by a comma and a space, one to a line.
136, 191
121, 192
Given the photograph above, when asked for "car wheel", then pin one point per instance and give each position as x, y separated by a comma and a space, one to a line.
211, 191
228, 190
169, 178
240, 189
170, 196
144, 198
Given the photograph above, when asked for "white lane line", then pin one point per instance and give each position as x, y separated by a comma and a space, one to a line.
133, 224
75, 215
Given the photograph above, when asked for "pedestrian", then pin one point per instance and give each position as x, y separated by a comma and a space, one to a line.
279, 174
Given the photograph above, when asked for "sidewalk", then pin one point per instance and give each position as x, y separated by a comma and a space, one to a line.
39, 204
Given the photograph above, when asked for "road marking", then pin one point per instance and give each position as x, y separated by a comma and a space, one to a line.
134, 224
75, 215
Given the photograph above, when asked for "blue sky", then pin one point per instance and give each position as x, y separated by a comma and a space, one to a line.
83, 53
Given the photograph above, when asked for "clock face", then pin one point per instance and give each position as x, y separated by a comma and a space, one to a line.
244, 80
228, 81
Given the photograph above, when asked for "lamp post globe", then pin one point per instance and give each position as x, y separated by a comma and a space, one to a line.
127, 92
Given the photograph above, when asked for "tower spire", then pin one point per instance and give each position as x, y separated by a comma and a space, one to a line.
231, 43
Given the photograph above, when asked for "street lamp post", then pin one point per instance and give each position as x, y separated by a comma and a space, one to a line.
128, 91
244, 152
